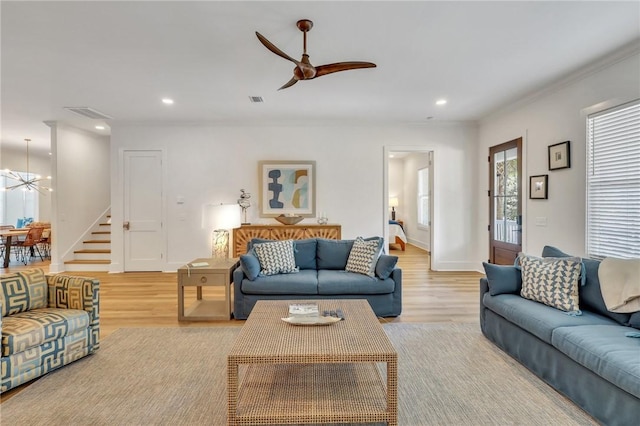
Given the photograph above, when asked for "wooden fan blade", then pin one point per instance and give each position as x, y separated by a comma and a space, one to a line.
342, 66
274, 49
289, 83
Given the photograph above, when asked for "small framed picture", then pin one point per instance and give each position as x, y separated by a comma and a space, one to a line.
559, 156
538, 187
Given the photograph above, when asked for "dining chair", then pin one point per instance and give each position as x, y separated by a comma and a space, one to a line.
2, 240
27, 248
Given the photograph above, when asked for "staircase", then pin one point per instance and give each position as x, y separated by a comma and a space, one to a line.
95, 254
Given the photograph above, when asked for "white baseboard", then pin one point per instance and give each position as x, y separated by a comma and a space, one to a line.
456, 266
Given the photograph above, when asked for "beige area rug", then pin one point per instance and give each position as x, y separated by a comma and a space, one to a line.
449, 374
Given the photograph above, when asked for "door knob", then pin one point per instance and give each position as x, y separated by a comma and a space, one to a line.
125, 225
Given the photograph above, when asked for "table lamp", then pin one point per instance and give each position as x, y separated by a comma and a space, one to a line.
220, 218
393, 203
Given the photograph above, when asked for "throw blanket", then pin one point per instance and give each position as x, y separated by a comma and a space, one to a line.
620, 284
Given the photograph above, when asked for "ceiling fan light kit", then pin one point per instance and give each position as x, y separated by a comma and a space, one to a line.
304, 70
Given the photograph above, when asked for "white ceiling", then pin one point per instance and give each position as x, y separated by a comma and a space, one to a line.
121, 58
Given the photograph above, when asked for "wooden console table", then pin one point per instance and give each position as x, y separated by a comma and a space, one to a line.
244, 234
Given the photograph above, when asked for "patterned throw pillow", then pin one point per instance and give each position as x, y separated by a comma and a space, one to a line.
276, 257
363, 256
553, 281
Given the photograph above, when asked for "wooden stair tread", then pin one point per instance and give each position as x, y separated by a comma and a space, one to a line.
105, 224
87, 262
101, 233
98, 241
95, 251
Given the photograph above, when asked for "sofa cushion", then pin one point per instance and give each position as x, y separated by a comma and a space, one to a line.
503, 279
590, 294
605, 350
552, 281
634, 320
23, 291
276, 257
304, 251
333, 254
536, 318
363, 256
33, 328
344, 282
304, 282
385, 266
250, 265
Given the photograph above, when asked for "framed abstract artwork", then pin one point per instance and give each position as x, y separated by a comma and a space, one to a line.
559, 156
287, 187
538, 187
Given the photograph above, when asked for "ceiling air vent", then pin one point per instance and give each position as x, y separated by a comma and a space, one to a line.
256, 99
88, 112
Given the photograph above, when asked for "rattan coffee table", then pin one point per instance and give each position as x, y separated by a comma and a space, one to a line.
278, 373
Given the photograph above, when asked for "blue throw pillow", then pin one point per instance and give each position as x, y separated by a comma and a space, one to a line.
503, 279
385, 266
250, 265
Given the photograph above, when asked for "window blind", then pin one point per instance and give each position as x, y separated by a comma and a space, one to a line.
613, 182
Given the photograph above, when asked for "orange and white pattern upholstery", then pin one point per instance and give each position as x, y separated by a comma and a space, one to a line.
47, 322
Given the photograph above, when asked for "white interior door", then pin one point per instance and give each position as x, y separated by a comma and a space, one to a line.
143, 236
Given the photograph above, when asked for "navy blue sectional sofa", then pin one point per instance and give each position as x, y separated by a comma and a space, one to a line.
588, 358
322, 275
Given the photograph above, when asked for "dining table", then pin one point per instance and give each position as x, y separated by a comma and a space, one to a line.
7, 236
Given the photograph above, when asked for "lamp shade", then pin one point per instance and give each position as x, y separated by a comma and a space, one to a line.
221, 216
393, 202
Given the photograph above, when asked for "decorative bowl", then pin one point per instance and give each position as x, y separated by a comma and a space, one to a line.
288, 220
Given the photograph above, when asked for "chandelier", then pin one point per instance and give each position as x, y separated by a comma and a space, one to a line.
26, 181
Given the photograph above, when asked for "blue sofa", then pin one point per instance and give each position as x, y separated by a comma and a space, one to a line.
322, 275
588, 358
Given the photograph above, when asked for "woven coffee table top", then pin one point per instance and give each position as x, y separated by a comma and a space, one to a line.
265, 338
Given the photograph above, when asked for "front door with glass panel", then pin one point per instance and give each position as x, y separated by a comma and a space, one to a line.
505, 195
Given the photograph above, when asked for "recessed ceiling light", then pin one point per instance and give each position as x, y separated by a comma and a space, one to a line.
167, 101
391, 155
100, 127
441, 101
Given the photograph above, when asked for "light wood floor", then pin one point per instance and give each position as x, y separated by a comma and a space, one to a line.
149, 299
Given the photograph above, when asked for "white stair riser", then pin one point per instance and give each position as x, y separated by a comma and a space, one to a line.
92, 256
96, 246
86, 267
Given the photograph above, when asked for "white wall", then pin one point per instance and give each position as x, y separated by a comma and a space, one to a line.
396, 185
40, 164
81, 183
211, 163
554, 116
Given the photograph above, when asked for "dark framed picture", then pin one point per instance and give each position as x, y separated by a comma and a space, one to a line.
538, 187
287, 187
559, 156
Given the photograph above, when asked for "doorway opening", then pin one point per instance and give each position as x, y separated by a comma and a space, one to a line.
408, 196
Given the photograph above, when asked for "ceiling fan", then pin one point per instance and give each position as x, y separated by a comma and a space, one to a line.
304, 70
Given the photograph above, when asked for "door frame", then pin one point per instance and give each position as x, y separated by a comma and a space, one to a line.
514, 143
432, 200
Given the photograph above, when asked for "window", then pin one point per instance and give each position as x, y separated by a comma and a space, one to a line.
423, 197
613, 182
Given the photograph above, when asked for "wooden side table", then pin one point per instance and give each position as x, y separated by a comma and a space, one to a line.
218, 272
